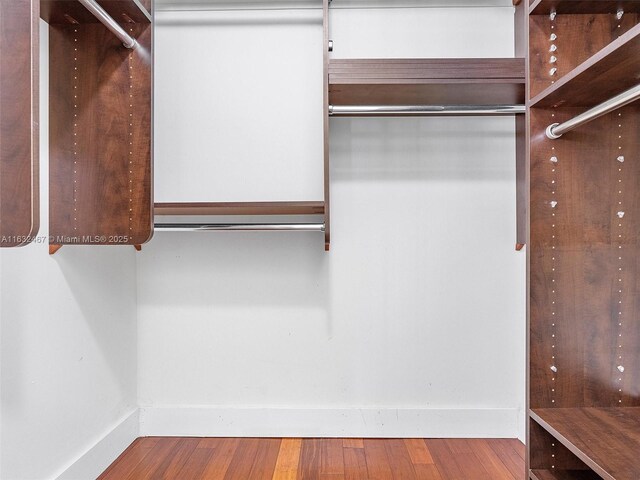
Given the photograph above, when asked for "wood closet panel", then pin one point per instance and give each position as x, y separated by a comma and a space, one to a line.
585, 261
66, 12
100, 136
578, 37
19, 122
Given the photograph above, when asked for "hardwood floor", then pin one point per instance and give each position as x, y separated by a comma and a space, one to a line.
318, 459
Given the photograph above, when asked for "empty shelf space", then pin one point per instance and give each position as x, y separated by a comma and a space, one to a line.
563, 475
240, 208
605, 439
69, 12
499, 81
609, 72
544, 7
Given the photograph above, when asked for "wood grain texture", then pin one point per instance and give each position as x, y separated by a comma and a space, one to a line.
100, 137
288, 459
67, 12
578, 39
426, 81
248, 208
353, 443
223, 455
564, 475
547, 453
607, 73
19, 122
129, 460
583, 251
584, 299
562, 7
605, 439
322, 459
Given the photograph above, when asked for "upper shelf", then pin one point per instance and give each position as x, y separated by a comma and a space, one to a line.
544, 7
606, 439
67, 12
473, 81
609, 72
240, 208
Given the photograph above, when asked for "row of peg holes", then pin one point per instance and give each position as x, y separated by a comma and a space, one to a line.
76, 84
553, 49
130, 149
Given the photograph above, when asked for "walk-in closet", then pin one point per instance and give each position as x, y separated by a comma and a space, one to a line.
319, 240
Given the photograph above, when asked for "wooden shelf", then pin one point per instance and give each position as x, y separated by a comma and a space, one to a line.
563, 475
544, 7
499, 81
607, 440
249, 208
609, 72
67, 12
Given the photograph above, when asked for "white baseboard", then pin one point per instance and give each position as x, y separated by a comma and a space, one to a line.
336, 422
98, 457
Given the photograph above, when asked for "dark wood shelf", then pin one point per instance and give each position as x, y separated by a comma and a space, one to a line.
544, 7
607, 440
68, 12
497, 81
19, 93
563, 475
609, 72
239, 208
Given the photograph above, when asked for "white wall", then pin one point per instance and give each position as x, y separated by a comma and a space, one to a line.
243, 121
68, 374
413, 325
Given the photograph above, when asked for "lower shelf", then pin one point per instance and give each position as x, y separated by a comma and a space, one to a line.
607, 440
563, 475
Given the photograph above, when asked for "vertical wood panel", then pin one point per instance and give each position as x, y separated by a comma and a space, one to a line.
325, 113
100, 136
19, 122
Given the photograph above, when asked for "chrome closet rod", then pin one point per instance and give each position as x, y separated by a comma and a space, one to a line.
556, 130
240, 227
94, 7
423, 110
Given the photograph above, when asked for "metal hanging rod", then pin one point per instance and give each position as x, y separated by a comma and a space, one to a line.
240, 227
423, 110
556, 130
108, 21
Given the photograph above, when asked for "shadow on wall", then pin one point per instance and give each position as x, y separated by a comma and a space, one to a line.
436, 148
237, 269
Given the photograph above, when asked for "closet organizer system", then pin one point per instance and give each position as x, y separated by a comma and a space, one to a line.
100, 115
577, 180
100, 121
584, 295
